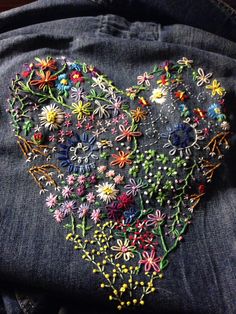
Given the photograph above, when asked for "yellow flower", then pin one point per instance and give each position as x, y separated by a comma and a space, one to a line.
123, 249
138, 114
158, 95
81, 109
216, 88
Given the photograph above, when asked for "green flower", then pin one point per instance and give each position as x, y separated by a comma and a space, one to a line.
171, 172
179, 162
162, 158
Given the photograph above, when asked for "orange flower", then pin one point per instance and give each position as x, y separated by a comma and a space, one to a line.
46, 63
46, 79
122, 159
138, 114
127, 133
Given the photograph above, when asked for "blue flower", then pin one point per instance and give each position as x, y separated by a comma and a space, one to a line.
214, 112
63, 83
76, 66
130, 215
79, 154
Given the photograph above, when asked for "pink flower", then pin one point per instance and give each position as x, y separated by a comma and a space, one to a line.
96, 215
154, 219
67, 192
70, 179
150, 261
58, 215
81, 179
51, 201
144, 79
110, 173
90, 197
118, 179
102, 169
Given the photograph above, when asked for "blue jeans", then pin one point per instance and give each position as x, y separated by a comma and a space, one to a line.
132, 36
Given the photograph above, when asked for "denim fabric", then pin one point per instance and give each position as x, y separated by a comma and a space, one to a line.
122, 40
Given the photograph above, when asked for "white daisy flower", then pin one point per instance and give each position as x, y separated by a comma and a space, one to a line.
51, 117
158, 95
107, 192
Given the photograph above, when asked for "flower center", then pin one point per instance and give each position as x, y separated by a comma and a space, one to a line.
51, 116
64, 82
107, 190
124, 249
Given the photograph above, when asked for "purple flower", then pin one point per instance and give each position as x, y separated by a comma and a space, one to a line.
113, 212
81, 190
133, 188
68, 207
83, 210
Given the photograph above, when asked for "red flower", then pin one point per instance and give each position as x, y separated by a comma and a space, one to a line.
150, 261
124, 200
76, 77
181, 95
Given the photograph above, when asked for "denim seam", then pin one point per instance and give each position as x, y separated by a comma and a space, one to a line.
225, 8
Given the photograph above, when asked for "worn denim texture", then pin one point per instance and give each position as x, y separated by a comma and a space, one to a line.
122, 39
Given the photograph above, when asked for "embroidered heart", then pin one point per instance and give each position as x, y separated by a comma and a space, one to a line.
122, 170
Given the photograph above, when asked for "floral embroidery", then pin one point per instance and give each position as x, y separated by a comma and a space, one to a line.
122, 171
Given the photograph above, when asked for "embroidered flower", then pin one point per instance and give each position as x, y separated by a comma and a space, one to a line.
51, 117
118, 179
96, 215
138, 114
158, 95
51, 201
47, 63
185, 61
110, 174
67, 192
70, 179
58, 215
133, 188
101, 110
225, 126
216, 88
68, 207
81, 109
116, 105
76, 77
144, 79
202, 77
214, 111
121, 160
155, 219
46, 80
125, 201
181, 95
107, 192
124, 250
90, 197
113, 212
130, 215
164, 81
63, 84
83, 210
78, 93
81, 179
127, 133
150, 261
